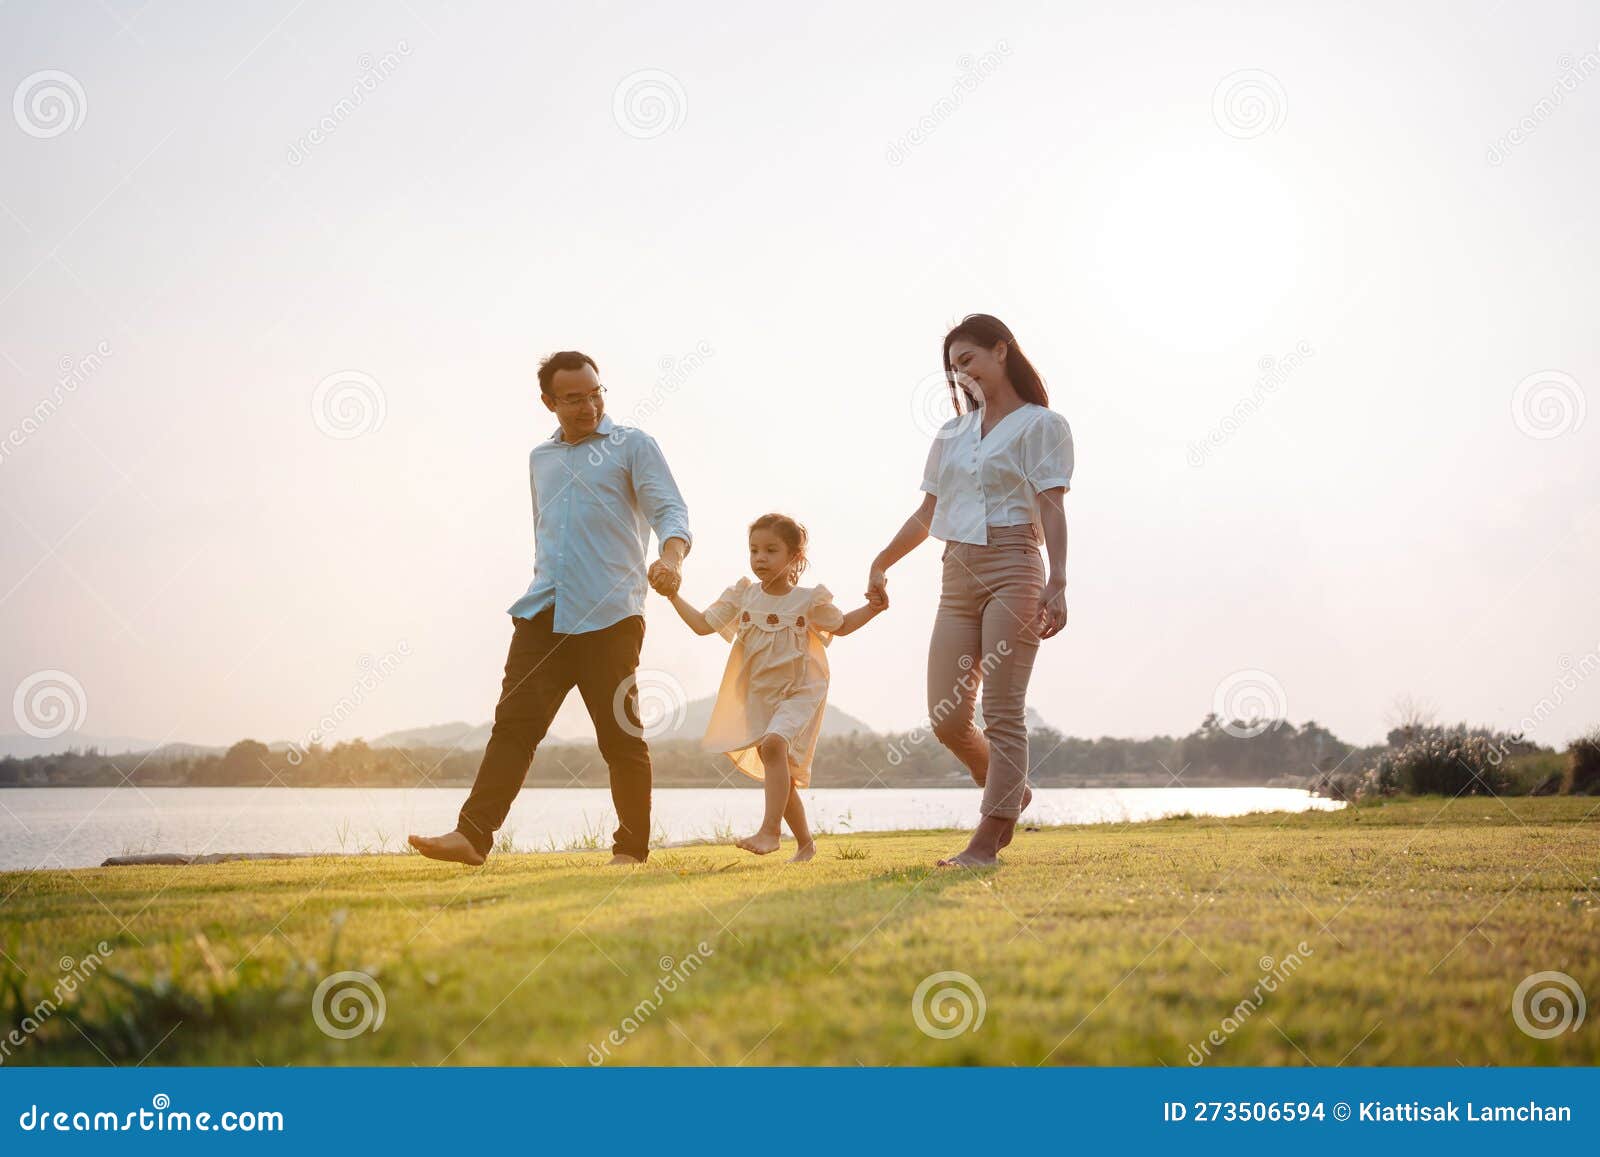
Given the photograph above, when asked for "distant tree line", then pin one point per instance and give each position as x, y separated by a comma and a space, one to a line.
1214, 754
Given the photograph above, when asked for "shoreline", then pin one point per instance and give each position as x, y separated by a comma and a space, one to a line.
213, 859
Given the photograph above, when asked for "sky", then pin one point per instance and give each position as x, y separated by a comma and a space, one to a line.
1315, 287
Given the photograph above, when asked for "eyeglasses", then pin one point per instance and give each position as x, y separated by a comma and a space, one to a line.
577, 400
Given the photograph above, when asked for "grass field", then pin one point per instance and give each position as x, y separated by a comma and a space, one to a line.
1397, 934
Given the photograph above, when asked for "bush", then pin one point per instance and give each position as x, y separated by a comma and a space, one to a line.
1583, 766
1439, 764
1541, 773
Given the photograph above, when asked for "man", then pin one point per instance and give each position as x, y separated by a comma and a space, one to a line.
598, 491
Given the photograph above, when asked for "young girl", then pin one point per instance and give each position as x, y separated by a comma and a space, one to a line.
769, 709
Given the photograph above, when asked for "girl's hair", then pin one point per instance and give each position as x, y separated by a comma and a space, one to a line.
982, 329
792, 535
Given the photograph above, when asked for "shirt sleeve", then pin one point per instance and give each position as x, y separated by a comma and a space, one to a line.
724, 613
930, 471
823, 617
657, 491
1047, 453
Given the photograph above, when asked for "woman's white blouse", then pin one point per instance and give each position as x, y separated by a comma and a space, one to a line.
995, 480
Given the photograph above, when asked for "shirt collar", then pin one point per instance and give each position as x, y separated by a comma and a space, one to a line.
605, 427
972, 428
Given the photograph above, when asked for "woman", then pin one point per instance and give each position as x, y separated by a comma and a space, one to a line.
993, 487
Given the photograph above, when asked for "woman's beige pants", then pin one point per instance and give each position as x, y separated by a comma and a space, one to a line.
986, 635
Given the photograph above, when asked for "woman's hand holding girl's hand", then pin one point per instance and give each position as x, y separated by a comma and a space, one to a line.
1053, 607
878, 588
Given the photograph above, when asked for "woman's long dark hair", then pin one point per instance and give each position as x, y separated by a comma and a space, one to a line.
988, 331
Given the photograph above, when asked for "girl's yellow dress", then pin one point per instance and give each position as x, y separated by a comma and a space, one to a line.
776, 681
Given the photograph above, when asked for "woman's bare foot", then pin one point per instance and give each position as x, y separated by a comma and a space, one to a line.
971, 859
804, 853
983, 849
762, 843
453, 848
622, 858
1027, 798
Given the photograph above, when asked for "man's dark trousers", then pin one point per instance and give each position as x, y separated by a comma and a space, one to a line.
541, 668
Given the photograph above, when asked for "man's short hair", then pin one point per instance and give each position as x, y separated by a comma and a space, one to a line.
562, 360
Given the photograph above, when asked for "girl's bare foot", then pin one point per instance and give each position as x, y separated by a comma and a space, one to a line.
762, 843
804, 853
453, 848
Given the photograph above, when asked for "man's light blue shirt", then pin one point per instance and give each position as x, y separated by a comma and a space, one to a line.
594, 505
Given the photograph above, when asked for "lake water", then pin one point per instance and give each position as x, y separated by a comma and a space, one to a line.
73, 827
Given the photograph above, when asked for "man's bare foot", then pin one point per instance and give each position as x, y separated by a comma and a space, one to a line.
804, 853
622, 859
971, 859
1027, 798
453, 848
762, 843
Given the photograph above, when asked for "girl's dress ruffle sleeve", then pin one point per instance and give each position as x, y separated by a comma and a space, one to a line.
723, 615
823, 616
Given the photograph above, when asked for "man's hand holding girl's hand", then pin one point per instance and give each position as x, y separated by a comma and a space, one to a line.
665, 577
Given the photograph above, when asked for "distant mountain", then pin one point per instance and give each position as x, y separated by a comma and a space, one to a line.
696, 714
458, 734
